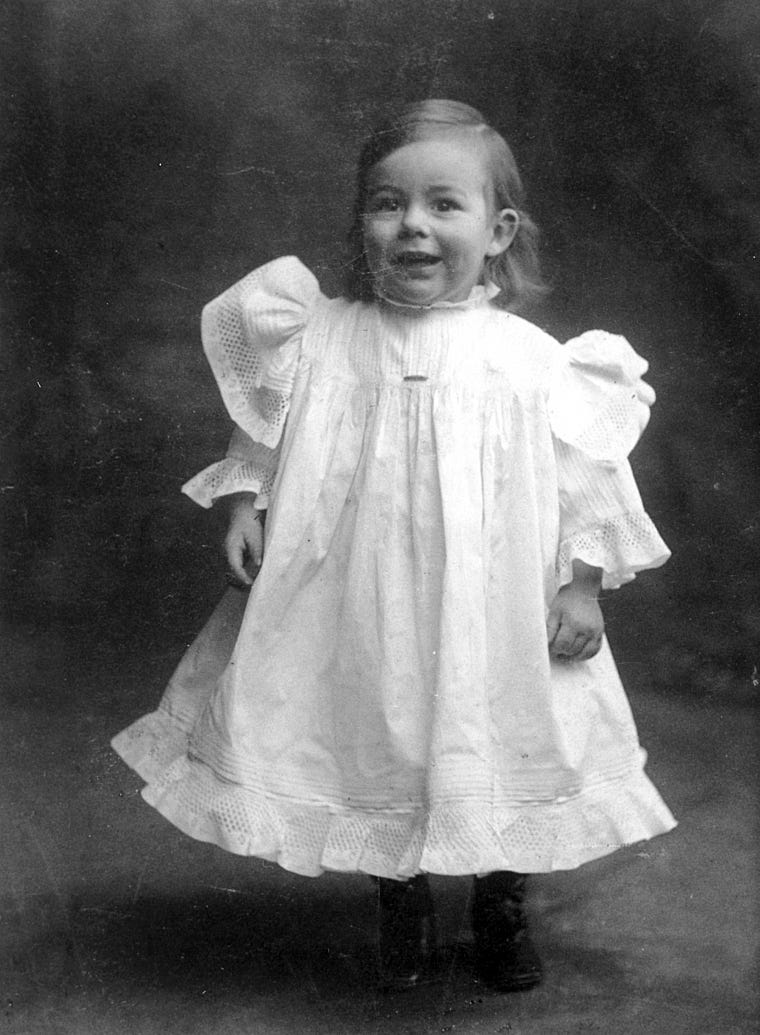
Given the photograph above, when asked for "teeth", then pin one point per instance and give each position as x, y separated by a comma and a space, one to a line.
416, 259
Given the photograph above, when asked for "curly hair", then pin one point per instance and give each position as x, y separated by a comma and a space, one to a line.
515, 271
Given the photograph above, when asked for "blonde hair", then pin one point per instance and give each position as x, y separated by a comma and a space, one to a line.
515, 271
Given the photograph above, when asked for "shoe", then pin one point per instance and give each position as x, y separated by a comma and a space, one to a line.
406, 932
505, 957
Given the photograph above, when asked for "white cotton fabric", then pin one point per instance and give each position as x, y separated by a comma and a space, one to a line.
384, 699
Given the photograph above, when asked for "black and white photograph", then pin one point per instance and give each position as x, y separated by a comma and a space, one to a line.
380, 517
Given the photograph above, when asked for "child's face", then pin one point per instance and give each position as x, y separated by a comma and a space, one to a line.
430, 222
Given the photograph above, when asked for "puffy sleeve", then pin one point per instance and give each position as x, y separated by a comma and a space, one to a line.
598, 408
252, 337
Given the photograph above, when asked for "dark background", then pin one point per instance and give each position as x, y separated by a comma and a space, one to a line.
156, 150
153, 151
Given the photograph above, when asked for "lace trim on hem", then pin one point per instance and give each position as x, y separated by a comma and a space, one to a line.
453, 838
620, 546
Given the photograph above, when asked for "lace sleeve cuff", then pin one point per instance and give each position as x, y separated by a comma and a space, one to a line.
229, 476
621, 546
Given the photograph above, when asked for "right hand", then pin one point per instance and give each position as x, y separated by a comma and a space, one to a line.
244, 542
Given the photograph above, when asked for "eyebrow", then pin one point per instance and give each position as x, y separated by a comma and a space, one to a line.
452, 188
446, 187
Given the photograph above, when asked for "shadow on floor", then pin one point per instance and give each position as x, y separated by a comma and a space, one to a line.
111, 921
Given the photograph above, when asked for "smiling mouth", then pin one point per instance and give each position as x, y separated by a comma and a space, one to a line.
415, 260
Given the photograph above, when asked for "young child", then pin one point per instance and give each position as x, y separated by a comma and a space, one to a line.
418, 681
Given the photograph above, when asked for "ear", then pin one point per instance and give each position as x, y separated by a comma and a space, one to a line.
505, 227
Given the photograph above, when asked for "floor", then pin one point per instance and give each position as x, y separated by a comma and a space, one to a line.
114, 922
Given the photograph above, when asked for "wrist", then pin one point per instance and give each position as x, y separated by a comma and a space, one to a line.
586, 579
241, 501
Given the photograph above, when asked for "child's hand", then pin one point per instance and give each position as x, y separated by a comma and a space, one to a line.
575, 624
244, 542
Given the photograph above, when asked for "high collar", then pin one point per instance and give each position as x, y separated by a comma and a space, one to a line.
479, 295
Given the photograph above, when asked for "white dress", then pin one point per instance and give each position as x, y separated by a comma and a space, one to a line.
384, 700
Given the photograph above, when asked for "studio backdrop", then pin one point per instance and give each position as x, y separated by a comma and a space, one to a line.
157, 150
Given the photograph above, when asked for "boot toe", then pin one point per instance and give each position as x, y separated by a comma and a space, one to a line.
515, 968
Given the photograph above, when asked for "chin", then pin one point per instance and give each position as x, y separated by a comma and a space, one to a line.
414, 298
421, 294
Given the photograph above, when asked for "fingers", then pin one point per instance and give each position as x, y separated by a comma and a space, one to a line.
254, 541
565, 649
244, 548
591, 647
244, 544
567, 639
235, 550
578, 648
552, 627
566, 643
575, 625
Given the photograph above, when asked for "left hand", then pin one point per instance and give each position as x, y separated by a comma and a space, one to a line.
244, 543
575, 625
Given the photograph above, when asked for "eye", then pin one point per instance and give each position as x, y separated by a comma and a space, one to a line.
446, 205
383, 203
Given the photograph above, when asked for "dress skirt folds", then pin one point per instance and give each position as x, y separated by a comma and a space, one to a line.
383, 700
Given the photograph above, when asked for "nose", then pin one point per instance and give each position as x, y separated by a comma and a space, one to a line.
414, 220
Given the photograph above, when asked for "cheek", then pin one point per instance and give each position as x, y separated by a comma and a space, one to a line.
375, 238
464, 251
372, 254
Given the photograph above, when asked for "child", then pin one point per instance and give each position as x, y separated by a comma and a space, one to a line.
418, 681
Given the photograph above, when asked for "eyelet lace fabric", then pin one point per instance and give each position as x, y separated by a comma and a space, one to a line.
451, 837
620, 546
250, 335
598, 400
255, 474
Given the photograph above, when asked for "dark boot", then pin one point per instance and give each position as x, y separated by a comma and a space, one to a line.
505, 958
406, 928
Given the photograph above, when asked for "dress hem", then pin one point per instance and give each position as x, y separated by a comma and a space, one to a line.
452, 837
